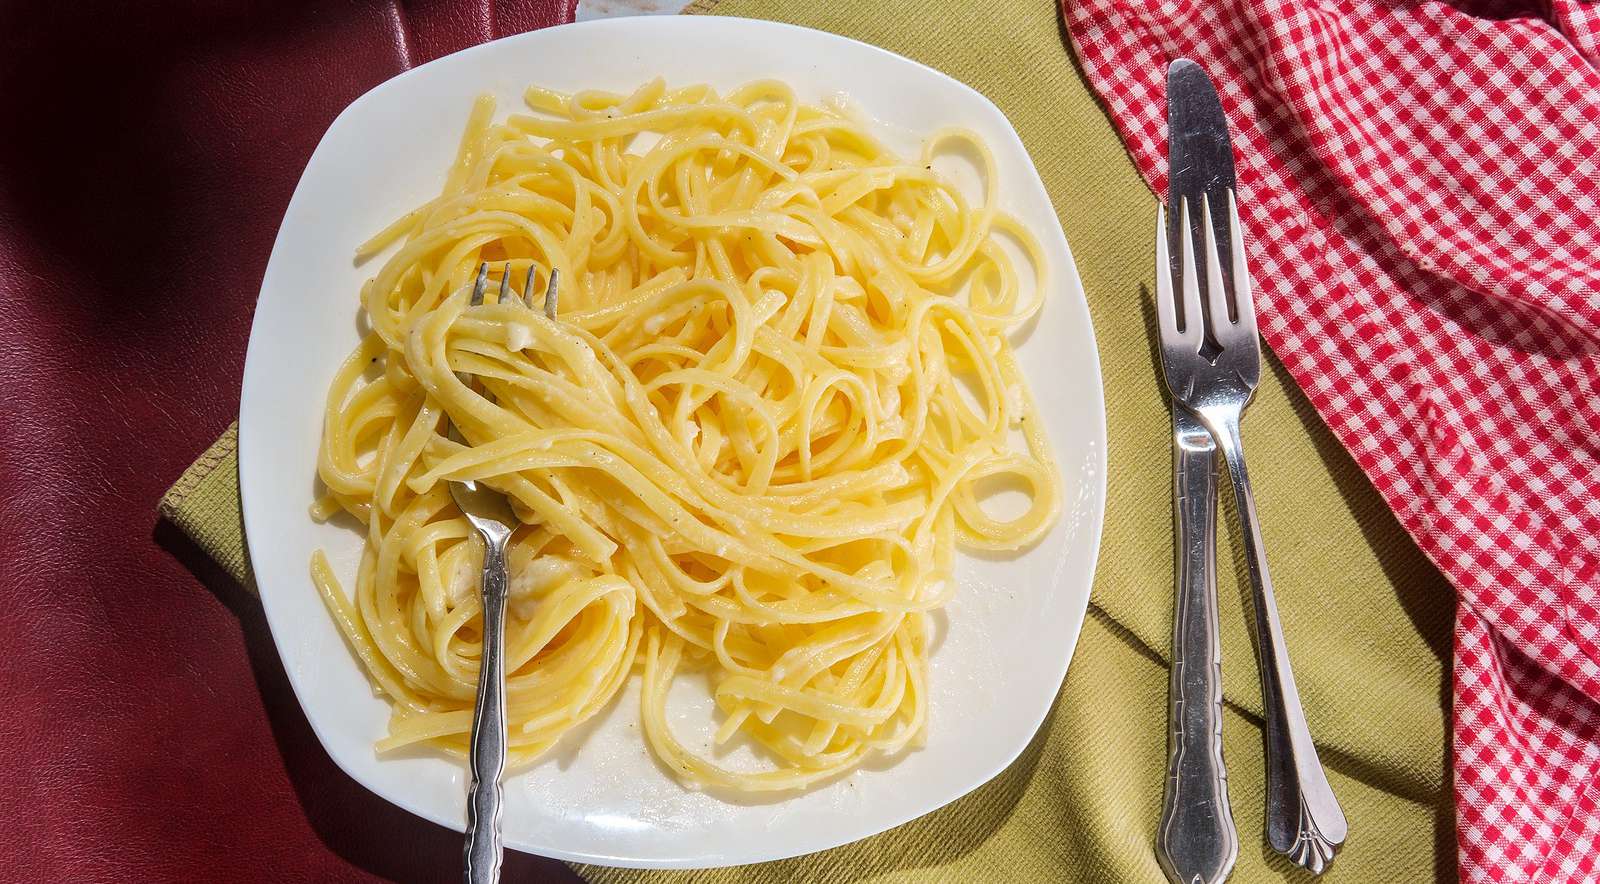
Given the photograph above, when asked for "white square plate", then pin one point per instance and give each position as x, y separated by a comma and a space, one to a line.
600, 797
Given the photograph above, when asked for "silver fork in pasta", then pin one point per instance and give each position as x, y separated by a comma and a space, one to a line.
491, 516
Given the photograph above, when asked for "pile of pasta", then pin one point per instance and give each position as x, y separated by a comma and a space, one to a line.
748, 446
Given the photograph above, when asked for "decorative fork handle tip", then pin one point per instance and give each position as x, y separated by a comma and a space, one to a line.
1311, 851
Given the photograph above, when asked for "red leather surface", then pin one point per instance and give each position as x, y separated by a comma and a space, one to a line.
147, 151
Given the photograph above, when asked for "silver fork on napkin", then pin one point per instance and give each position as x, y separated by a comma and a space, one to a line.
490, 514
1212, 367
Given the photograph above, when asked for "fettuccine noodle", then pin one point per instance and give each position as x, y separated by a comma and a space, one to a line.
748, 445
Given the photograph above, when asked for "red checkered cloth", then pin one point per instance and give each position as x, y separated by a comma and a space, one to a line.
1420, 188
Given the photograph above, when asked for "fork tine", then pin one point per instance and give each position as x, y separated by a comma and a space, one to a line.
1215, 293
481, 284
1166, 310
505, 282
527, 286
1243, 299
1194, 322
550, 293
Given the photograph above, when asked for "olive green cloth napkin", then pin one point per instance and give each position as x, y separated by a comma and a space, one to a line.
1367, 617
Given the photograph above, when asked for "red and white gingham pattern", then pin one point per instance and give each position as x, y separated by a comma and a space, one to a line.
1420, 189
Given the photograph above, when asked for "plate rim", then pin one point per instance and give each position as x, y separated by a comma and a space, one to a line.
1092, 474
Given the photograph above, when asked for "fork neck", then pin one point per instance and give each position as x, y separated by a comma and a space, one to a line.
1221, 417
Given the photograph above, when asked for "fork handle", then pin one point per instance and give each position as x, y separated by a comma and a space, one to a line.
1196, 841
487, 755
1304, 821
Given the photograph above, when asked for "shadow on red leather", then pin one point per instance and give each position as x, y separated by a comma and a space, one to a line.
365, 830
